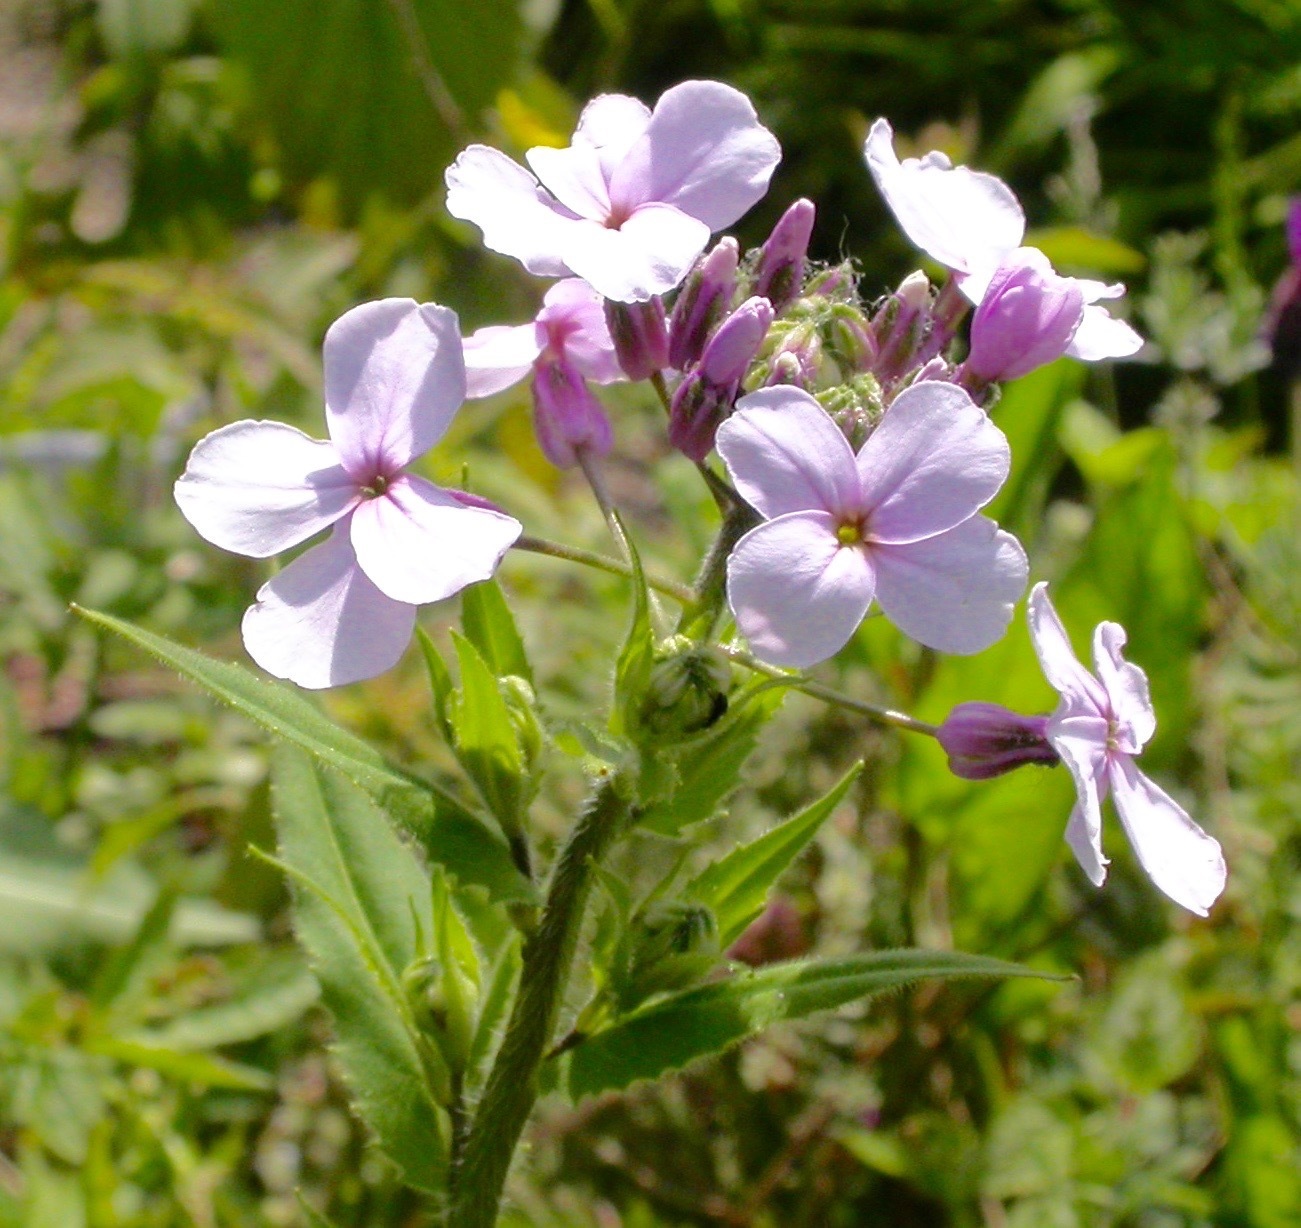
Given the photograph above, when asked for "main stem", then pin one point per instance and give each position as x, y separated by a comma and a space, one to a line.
512, 1086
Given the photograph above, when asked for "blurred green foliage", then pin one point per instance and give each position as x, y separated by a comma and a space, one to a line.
190, 190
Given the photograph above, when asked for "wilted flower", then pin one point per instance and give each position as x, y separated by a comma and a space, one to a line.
345, 609
1101, 723
897, 522
631, 203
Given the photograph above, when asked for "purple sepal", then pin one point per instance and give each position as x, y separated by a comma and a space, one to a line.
640, 335
566, 415
702, 302
780, 270
984, 740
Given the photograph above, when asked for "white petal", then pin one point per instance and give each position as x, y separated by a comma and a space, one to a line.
934, 460
954, 592
785, 454
573, 176
498, 356
649, 254
322, 623
1086, 760
705, 151
258, 488
394, 377
419, 543
798, 595
1077, 687
1126, 687
500, 197
965, 219
1101, 336
612, 124
1180, 858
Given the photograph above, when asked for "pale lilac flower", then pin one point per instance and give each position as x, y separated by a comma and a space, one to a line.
970, 222
345, 609
897, 522
631, 203
1100, 723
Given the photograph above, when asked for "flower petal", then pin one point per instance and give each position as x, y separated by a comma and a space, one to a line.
498, 356
1100, 335
956, 591
573, 176
934, 460
1086, 760
1126, 687
649, 254
612, 124
573, 316
1079, 689
258, 488
965, 219
705, 151
1180, 858
419, 543
798, 595
504, 201
394, 376
785, 454
320, 622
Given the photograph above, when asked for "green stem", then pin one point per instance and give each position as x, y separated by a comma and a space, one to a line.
512, 1087
711, 584
601, 562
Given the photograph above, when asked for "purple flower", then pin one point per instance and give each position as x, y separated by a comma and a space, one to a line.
971, 222
345, 609
1027, 318
984, 740
630, 204
640, 332
568, 419
897, 522
702, 302
1099, 725
570, 326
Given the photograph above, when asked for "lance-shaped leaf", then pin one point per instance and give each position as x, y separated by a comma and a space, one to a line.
449, 832
489, 625
736, 887
693, 1023
357, 893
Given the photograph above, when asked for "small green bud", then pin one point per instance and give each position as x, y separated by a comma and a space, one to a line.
855, 407
687, 691
521, 703
673, 944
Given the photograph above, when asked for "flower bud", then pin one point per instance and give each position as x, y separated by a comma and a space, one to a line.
687, 691
855, 407
851, 340
780, 270
705, 397
566, 415
901, 326
673, 944
798, 357
702, 302
640, 335
984, 740
1026, 319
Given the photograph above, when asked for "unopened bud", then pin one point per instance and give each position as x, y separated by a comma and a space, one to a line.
901, 326
851, 340
567, 416
798, 357
640, 335
856, 407
521, 705
780, 270
687, 690
983, 740
674, 943
702, 302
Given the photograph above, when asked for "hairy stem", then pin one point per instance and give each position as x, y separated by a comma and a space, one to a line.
702, 614
601, 562
512, 1086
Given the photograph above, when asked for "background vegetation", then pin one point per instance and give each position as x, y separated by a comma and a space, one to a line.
190, 190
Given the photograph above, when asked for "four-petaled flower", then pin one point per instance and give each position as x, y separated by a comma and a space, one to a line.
345, 609
897, 522
1099, 725
631, 203
971, 222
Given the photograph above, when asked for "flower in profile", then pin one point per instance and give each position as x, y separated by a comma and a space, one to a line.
970, 222
984, 740
1102, 721
345, 609
631, 203
897, 522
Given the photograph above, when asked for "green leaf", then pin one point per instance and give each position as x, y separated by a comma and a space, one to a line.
449, 832
681, 1027
736, 887
493, 1004
489, 625
486, 744
127, 967
357, 892
202, 1068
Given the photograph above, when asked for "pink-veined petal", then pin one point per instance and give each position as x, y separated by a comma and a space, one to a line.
611, 124
1079, 689
1179, 857
258, 488
321, 622
967, 220
954, 592
1086, 760
394, 377
1100, 335
704, 151
575, 314
505, 202
573, 176
785, 454
798, 595
649, 254
419, 543
934, 460
498, 356
1126, 687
